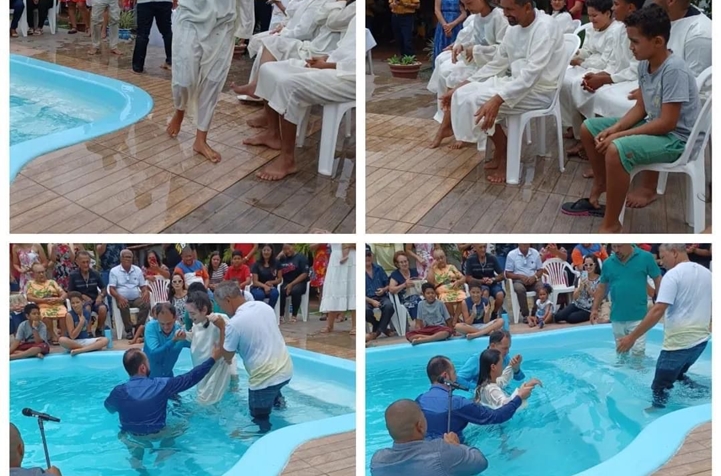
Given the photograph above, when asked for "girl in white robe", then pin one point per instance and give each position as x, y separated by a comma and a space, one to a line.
208, 332
493, 378
203, 40
564, 20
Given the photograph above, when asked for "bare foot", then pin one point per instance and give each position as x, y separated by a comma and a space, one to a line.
498, 177
491, 164
458, 145
277, 170
246, 89
206, 151
442, 133
267, 139
116, 52
40, 356
568, 134
93, 51
137, 72
74, 352
574, 150
416, 341
641, 197
258, 122
174, 126
616, 228
588, 173
165, 66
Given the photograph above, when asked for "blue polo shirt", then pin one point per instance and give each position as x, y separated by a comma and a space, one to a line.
626, 283
379, 280
434, 404
161, 350
468, 375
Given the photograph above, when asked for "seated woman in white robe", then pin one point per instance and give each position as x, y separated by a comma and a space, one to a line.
331, 20
492, 379
290, 87
208, 332
595, 55
564, 20
533, 49
203, 37
489, 28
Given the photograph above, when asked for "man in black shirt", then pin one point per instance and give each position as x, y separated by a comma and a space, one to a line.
699, 253
294, 270
89, 283
486, 269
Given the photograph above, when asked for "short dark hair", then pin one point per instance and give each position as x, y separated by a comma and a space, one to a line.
651, 21
29, 308
436, 366
636, 3
201, 301
496, 337
196, 287
427, 286
75, 294
523, 2
164, 306
602, 6
475, 284
132, 360
237, 253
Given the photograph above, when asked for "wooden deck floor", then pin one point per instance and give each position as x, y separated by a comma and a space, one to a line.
139, 180
331, 456
411, 188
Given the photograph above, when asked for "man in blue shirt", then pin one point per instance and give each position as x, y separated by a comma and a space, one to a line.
142, 401
164, 340
501, 341
377, 298
434, 403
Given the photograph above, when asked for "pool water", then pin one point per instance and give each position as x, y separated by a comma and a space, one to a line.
590, 407
85, 442
38, 110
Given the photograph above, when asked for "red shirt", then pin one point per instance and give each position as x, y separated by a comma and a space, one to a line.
245, 249
237, 274
570, 4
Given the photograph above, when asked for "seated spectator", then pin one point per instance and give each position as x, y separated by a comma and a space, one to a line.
17, 6
448, 283
154, 267
31, 338
580, 309
91, 287
485, 268
238, 271
432, 319
216, 270
191, 269
403, 283
293, 270
17, 453
377, 299
17, 306
544, 307
49, 297
42, 6
78, 339
265, 277
128, 286
524, 269
413, 454
177, 294
564, 20
551, 250
582, 250
476, 312
700, 254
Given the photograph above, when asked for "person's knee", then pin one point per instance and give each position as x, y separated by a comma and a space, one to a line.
64, 341
387, 306
519, 287
613, 159
585, 133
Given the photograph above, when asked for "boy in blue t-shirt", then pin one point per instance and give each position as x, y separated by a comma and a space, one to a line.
31, 337
431, 319
653, 131
79, 339
476, 312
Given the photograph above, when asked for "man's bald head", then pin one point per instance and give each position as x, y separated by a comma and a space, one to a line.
17, 447
405, 421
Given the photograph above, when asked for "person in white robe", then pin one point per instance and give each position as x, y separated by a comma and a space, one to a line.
279, 14
467, 56
290, 87
203, 38
246, 20
595, 55
333, 17
564, 20
533, 49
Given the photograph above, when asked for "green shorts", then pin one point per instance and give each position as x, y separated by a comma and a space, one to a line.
640, 149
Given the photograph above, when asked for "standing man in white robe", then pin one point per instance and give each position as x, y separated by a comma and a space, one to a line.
203, 37
290, 87
533, 49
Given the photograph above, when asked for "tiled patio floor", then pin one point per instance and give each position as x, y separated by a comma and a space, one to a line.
139, 180
411, 188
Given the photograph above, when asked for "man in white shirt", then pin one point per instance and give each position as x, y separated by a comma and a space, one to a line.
128, 287
525, 268
253, 334
684, 298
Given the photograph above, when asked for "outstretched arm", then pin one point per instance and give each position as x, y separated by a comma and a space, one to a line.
188, 380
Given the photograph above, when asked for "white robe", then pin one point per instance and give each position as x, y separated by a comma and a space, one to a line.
597, 55
492, 395
564, 21
535, 55
246, 19
203, 339
292, 16
202, 51
484, 36
278, 17
290, 87
690, 39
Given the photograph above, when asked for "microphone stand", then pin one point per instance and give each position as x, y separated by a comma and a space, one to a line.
450, 403
45, 443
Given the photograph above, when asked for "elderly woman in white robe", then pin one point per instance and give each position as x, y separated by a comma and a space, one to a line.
475, 50
203, 38
290, 87
533, 49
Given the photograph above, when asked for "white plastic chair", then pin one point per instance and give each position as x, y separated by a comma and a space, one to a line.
584, 27
576, 25
400, 317
557, 278
158, 290
53, 16
514, 300
333, 115
303, 304
517, 123
690, 163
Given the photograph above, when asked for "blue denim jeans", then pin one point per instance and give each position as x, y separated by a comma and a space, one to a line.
671, 367
403, 32
260, 295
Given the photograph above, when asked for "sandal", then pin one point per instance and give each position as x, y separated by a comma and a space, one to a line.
72, 31
583, 208
326, 330
293, 320
352, 332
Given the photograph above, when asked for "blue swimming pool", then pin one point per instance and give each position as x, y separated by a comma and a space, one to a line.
320, 402
52, 107
587, 420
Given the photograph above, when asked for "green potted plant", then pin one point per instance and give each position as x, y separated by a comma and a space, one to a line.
126, 23
239, 48
406, 67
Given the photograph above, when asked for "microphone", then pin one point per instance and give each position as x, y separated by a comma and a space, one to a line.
453, 385
42, 416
